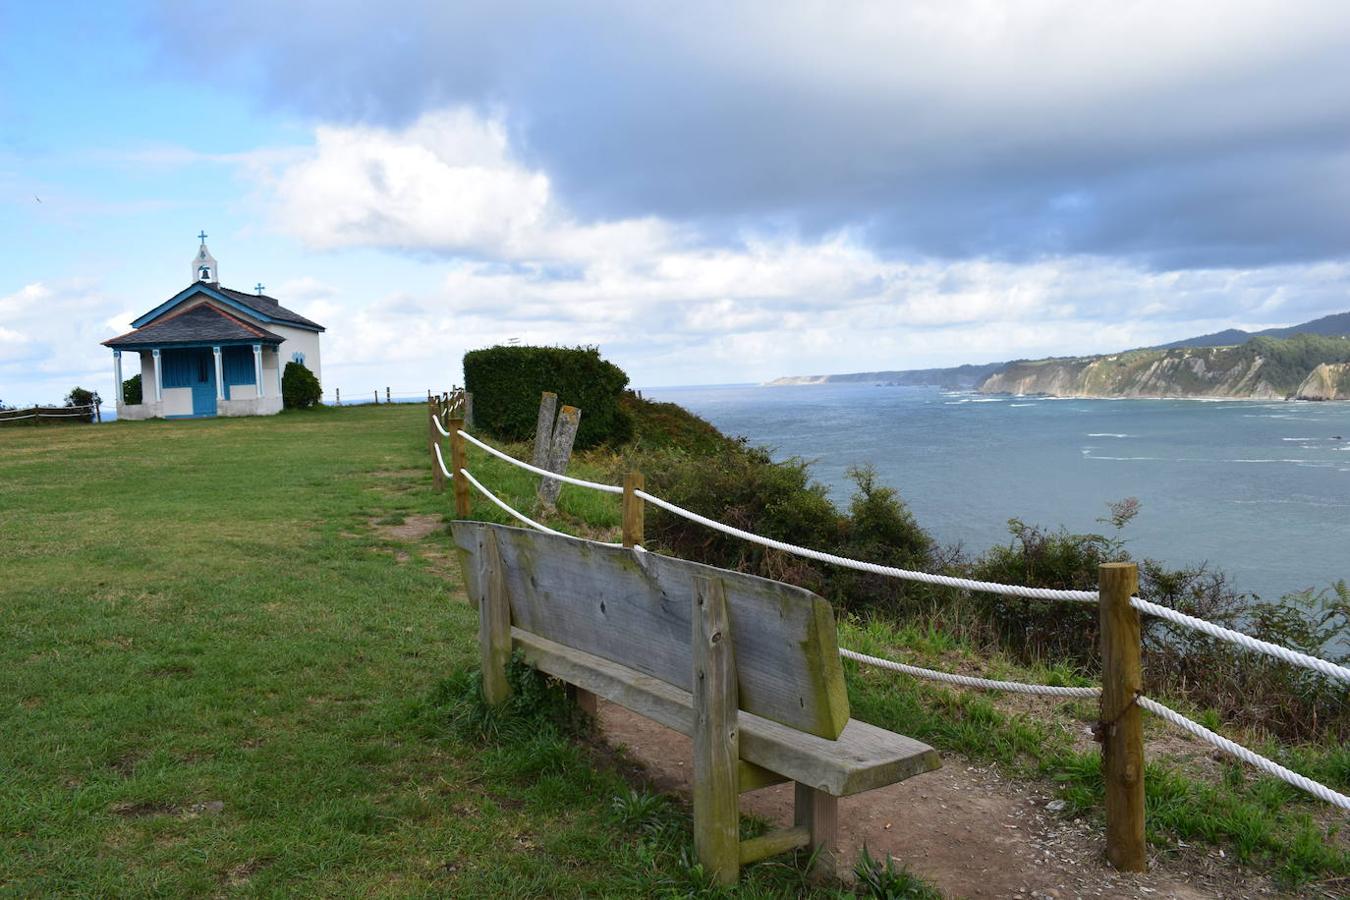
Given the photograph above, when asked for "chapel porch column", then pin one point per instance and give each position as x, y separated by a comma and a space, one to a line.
159, 377
117, 375
220, 374
257, 369
279, 391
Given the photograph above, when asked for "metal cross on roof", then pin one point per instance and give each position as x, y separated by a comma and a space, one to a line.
259, 288
202, 236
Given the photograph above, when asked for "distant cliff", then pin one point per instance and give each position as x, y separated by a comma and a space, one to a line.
1329, 381
1308, 361
961, 378
1263, 368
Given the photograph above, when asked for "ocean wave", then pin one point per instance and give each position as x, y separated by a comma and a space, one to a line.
1106, 434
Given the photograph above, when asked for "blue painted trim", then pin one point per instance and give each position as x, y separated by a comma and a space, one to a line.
214, 294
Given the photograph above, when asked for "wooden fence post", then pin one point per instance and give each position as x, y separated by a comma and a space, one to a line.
98, 413
458, 462
337, 395
468, 409
564, 435
633, 508
433, 438
543, 429
377, 396
494, 627
386, 395
716, 735
1122, 727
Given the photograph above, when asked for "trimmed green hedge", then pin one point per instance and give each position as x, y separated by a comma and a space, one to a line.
506, 383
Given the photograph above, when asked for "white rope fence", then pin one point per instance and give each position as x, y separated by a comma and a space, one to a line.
1293, 657
1285, 654
566, 479
1015, 687
1320, 791
440, 461
436, 420
506, 508
1012, 590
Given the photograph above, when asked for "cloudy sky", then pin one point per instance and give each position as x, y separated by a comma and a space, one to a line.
710, 192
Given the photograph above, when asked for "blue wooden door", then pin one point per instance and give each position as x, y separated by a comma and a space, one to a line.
203, 383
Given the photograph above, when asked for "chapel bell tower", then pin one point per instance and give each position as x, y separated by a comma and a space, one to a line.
204, 264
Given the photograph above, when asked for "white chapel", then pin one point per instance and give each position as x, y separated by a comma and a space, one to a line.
212, 351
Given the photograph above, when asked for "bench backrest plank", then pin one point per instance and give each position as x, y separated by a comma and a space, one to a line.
633, 608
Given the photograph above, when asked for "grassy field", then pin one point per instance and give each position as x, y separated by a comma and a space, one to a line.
237, 660
227, 670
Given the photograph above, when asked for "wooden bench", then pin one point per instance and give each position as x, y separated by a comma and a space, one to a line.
748, 667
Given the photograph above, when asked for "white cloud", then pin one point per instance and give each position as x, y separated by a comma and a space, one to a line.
50, 341
675, 306
448, 184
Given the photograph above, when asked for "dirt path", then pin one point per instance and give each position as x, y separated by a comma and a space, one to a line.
963, 828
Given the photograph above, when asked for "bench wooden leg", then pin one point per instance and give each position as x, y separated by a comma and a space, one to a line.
494, 627
818, 812
716, 741
584, 699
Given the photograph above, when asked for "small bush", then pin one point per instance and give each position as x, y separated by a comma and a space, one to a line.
131, 390
299, 388
507, 382
78, 396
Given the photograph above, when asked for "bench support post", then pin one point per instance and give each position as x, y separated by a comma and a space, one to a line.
494, 626
818, 812
716, 735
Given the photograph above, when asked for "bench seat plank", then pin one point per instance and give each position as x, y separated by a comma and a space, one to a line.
864, 756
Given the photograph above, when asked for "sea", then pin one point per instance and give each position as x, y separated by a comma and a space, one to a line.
1260, 490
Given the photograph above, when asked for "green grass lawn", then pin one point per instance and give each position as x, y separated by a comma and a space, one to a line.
219, 674
222, 671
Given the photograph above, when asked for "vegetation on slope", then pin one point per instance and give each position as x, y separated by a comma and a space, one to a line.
1262, 821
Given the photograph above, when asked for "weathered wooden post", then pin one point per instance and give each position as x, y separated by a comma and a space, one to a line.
494, 626
458, 463
433, 438
633, 508
716, 735
1121, 729
386, 395
337, 396
377, 396
468, 408
543, 429
564, 435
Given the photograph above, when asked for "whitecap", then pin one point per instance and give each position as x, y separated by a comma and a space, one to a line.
1106, 434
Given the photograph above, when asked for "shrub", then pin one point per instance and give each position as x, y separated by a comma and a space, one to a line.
78, 396
131, 390
299, 388
506, 383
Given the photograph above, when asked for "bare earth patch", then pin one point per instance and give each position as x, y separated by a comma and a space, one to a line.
963, 828
413, 528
